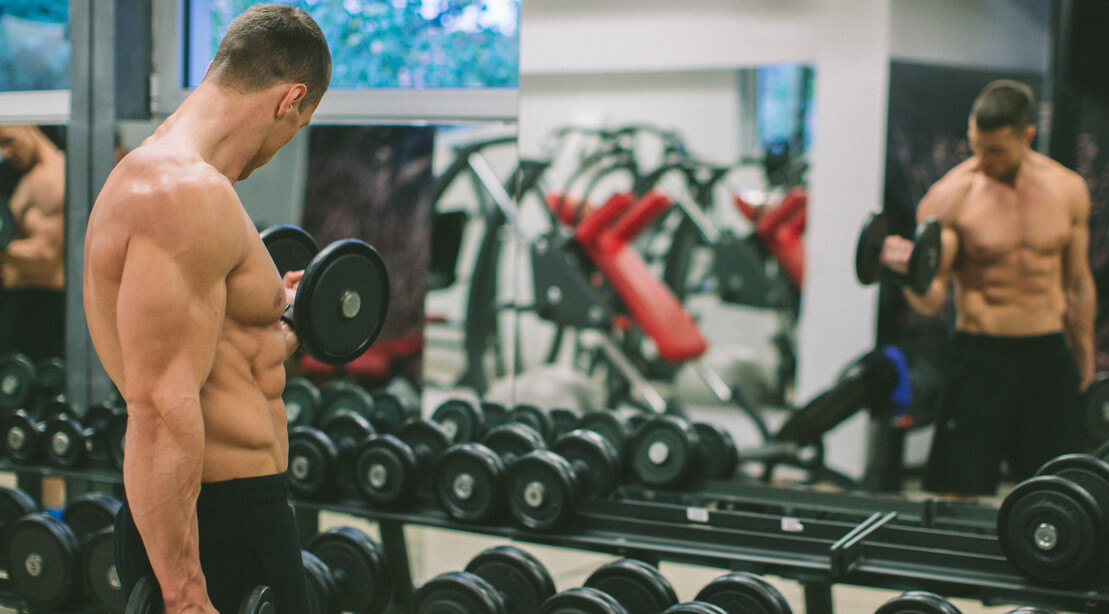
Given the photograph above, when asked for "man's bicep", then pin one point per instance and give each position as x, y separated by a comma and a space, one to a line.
169, 319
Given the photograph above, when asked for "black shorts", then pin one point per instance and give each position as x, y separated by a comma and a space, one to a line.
1005, 398
248, 537
32, 322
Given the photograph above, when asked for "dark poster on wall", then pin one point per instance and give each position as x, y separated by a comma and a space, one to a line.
926, 136
374, 183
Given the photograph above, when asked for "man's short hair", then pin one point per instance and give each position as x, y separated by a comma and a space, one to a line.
271, 44
1004, 103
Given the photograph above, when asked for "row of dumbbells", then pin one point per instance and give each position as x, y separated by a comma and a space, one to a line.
25, 383
57, 433
58, 562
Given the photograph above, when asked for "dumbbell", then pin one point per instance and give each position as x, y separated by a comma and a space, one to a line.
913, 602
341, 396
394, 404
633, 585
346, 571
14, 504
615, 425
1052, 526
390, 469
543, 487
499, 580
1095, 408
23, 432
462, 419
147, 599
469, 476
70, 443
44, 552
341, 300
302, 401
923, 262
100, 577
50, 377
550, 423
321, 460
17, 381
667, 451
742, 593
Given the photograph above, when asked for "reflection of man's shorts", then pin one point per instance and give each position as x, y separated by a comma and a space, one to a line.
1005, 398
247, 537
32, 321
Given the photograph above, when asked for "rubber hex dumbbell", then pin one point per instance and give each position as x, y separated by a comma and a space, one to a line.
743, 593
321, 460
70, 442
389, 470
462, 420
44, 552
17, 382
923, 262
147, 599
499, 580
917, 602
345, 397
543, 487
615, 425
23, 432
353, 562
102, 586
14, 504
634, 585
302, 401
533, 416
469, 476
667, 451
394, 404
1052, 526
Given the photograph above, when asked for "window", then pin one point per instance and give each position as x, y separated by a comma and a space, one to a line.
34, 45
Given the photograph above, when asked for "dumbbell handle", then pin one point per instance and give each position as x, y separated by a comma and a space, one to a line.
146, 598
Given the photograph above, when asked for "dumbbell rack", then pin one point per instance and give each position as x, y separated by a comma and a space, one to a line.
818, 539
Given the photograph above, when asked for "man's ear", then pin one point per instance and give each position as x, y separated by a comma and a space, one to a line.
1029, 134
291, 100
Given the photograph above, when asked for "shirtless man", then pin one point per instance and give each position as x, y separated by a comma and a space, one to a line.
184, 308
1015, 237
32, 311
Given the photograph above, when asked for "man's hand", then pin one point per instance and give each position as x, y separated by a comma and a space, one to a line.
291, 282
895, 254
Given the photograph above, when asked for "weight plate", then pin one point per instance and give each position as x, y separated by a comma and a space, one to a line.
925, 258
290, 247
541, 490
323, 592
50, 376
391, 411
17, 381
562, 421
639, 587
65, 442
302, 401
609, 425
427, 440
513, 440
522, 581
100, 579
534, 417
1096, 409
341, 302
917, 602
259, 601
89, 513
495, 414
468, 482
146, 597
461, 419
596, 465
663, 452
718, 451
1089, 472
582, 600
344, 397
358, 567
117, 439
346, 430
744, 592
312, 463
14, 504
697, 607
1102, 451
21, 436
873, 235
457, 592
43, 559
1052, 530
385, 471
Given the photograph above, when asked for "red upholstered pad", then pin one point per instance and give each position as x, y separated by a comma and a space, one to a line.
602, 218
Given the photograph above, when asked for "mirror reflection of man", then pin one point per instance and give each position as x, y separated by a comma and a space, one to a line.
32, 307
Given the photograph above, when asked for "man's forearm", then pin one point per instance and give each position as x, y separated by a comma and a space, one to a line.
30, 252
929, 302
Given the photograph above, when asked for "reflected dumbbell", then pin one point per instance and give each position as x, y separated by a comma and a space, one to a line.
302, 401
321, 460
389, 470
462, 420
22, 431
147, 599
44, 552
14, 504
346, 572
469, 476
499, 580
341, 397
394, 404
543, 487
917, 602
633, 585
18, 377
70, 442
666, 452
50, 377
